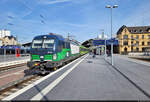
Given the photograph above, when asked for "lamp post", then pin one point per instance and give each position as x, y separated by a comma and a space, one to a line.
105, 47
111, 7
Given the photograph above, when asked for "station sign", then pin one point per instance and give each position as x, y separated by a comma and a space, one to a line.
108, 42
98, 42
114, 41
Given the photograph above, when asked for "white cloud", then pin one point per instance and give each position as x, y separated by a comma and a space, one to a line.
76, 25
46, 2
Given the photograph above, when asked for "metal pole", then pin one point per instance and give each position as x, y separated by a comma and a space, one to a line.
105, 49
112, 42
15, 52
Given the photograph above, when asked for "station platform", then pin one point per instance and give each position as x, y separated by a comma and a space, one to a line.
7, 58
86, 78
10, 60
137, 71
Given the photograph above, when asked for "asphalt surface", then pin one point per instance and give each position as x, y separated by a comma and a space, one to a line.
137, 71
89, 79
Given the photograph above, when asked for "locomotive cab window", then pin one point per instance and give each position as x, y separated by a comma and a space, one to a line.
48, 43
37, 44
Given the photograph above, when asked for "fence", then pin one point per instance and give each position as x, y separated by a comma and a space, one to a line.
4, 51
10, 54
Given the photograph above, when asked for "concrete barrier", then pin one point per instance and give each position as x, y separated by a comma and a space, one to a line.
137, 53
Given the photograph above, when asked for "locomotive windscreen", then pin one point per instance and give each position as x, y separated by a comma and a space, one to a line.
37, 43
43, 43
48, 43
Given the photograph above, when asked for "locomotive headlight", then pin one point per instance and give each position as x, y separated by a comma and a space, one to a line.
54, 48
41, 56
54, 56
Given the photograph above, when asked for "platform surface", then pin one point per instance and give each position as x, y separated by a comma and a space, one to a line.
88, 78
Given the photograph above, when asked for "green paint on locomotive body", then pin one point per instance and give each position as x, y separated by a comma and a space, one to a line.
83, 50
35, 57
49, 57
62, 55
75, 54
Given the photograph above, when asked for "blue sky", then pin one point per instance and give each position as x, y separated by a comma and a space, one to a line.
83, 19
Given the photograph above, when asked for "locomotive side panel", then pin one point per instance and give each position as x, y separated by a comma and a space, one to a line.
74, 49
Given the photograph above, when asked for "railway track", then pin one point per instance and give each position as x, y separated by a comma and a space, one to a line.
130, 80
17, 85
2, 69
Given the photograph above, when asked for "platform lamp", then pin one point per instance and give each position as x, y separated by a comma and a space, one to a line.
111, 7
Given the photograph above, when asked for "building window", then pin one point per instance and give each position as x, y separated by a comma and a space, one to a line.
132, 49
131, 36
141, 30
137, 36
143, 49
137, 43
125, 43
125, 50
125, 36
134, 30
142, 36
131, 42
142, 43
137, 49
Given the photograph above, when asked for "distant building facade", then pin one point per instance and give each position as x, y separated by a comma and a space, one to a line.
4, 33
6, 38
133, 39
9, 40
0, 42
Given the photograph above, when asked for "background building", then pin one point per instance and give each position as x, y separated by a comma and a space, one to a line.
6, 38
0, 42
4, 33
133, 39
9, 40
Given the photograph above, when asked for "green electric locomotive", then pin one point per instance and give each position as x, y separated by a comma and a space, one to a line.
50, 51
